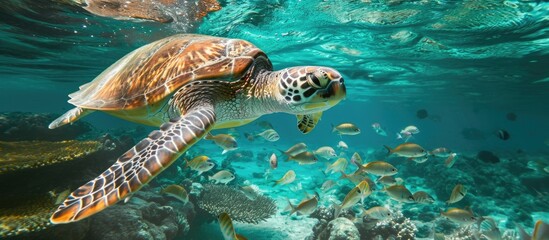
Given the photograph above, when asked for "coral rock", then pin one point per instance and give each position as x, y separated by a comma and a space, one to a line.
217, 199
35, 154
342, 229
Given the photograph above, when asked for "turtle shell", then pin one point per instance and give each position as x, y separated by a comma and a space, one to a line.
151, 73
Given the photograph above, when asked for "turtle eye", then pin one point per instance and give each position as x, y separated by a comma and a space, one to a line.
317, 79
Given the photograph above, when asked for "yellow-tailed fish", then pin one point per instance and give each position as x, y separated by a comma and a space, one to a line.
458, 193
338, 166
539, 166
408, 150
541, 231
204, 167
251, 191
193, 164
295, 149
346, 129
379, 168
352, 198
62, 196
449, 162
225, 141
460, 216
378, 213
227, 228
423, 197
222, 176
327, 185
356, 159
365, 190
200, 164
305, 207
421, 159
441, 152
489, 229
400, 193
177, 192
355, 177
325, 152
270, 135
387, 180
288, 177
304, 158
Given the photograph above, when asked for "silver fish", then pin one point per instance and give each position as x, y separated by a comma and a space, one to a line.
270, 135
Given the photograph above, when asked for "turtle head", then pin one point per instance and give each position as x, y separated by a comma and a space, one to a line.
311, 89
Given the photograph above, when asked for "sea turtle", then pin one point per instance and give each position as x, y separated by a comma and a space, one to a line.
188, 85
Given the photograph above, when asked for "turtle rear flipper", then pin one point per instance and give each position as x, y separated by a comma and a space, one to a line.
70, 117
137, 166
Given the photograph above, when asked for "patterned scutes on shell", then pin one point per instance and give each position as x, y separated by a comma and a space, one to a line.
15, 156
217, 199
151, 73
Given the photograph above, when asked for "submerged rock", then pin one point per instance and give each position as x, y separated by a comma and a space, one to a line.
487, 156
216, 199
19, 126
35, 176
340, 229
396, 227
146, 216
16, 156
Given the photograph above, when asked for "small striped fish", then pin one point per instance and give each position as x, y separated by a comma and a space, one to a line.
423, 197
226, 226
270, 135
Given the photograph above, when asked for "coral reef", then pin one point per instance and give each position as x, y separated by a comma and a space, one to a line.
29, 216
35, 154
46, 169
339, 229
216, 199
147, 215
18, 126
396, 227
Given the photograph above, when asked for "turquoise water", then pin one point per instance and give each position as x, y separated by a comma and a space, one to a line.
469, 64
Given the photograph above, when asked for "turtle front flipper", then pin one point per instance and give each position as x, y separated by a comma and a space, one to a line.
137, 166
70, 117
306, 123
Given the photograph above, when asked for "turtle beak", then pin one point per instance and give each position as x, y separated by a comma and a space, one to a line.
335, 91
327, 97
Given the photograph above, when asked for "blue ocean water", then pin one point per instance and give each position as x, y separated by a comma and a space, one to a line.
471, 65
